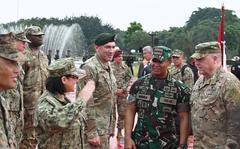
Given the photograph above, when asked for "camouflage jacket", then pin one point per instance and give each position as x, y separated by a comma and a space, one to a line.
122, 74
7, 138
100, 108
14, 98
157, 103
215, 105
35, 68
186, 75
59, 124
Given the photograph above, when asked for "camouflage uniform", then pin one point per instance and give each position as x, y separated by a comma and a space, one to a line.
215, 104
7, 138
100, 108
123, 75
158, 101
35, 67
59, 123
187, 78
7, 51
15, 102
15, 99
184, 73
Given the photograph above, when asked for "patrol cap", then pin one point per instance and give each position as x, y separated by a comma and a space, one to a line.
162, 53
203, 49
177, 53
8, 47
117, 53
22, 37
34, 30
104, 38
65, 66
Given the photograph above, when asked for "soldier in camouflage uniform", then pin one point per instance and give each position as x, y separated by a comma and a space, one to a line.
157, 98
123, 75
215, 101
100, 124
15, 96
35, 67
181, 71
8, 76
59, 123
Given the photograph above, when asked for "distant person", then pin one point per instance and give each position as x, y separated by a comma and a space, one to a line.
123, 75
144, 66
129, 61
215, 101
68, 53
192, 65
235, 68
49, 56
56, 57
181, 71
9, 71
59, 122
35, 68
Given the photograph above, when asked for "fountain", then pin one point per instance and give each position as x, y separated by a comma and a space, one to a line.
66, 39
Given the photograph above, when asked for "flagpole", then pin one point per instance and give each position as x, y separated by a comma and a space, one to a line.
221, 37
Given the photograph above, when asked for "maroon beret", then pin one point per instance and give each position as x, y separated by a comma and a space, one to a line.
117, 53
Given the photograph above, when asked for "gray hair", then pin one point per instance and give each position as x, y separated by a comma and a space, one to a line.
148, 49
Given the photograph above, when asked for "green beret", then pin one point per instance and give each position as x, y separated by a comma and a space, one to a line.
34, 30
177, 53
64, 66
203, 49
104, 38
8, 48
162, 53
22, 37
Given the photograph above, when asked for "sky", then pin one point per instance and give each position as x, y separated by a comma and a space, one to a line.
154, 15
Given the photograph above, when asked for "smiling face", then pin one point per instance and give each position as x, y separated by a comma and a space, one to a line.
106, 51
8, 73
159, 69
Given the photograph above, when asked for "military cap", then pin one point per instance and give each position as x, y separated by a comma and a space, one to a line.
64, 66
203, 49
117, 53
162, 53
8, 47
22, 37
34, 30
177, 53
104, 38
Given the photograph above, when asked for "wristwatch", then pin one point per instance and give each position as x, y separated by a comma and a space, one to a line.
183, 146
